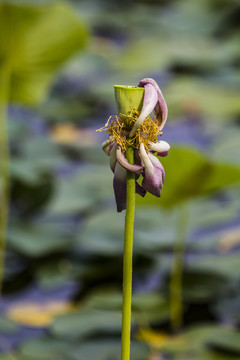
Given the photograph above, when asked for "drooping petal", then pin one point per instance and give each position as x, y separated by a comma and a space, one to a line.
160, 110
113, 157
137, 158
162, 147
140, 190
120, 186
123, 161
149, 103
154, 173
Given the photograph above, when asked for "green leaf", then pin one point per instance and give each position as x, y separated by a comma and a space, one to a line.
228, 341
207, 212
200, 285
38, 239
50, 275
9, 356
87, 322
43, 349
102, 233
46, 348
205, 277
190, 174
194, 344
151, 307
81, 191
226, 146
213, 101
107, 349
223, 265
34, 43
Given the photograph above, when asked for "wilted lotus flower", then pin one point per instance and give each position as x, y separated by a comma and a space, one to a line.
140, 132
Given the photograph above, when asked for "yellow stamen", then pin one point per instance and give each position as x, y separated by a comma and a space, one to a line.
119, 127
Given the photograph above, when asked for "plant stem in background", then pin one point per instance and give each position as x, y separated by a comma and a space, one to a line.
176, 304
4, 164
127, 260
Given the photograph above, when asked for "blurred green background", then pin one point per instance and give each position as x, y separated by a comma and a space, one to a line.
63, 261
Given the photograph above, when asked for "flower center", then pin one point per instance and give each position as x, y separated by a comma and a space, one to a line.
120, 126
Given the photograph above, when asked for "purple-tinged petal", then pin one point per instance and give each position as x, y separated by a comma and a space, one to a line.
145, 159
137, 158
149, 103
162, 147
140, 190
154, 173
123, 161
120, 187
157, 165
160, 110
113, 157
162, 154
111, 146
106, 145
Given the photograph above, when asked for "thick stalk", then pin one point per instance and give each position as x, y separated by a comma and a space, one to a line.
127, 260
176, 304
4, 164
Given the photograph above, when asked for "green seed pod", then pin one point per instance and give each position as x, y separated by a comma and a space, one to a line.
128, 97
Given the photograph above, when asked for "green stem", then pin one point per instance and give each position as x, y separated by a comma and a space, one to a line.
176, 305
4, 164
127, 260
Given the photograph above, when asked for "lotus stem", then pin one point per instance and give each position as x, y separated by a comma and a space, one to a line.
127, 260
4, 165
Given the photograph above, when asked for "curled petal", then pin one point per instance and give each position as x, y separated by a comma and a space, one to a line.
154, 173
123, 161
162, 147
120, 186
160, 110
149, 103
106, 145
113, 157
145, 159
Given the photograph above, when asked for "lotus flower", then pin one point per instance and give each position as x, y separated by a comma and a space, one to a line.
146, 164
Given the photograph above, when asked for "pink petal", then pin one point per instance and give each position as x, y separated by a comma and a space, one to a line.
120, 187
138, 169
162, 147
107, 145
149, 103
154, 173
113, 157
140, 190
160, 110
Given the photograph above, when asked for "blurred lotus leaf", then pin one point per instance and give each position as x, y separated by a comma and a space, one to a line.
150, 307
45, 348
78, 325
196, 345
34, 42
190, 174
107, 349
213, 100
39, 239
